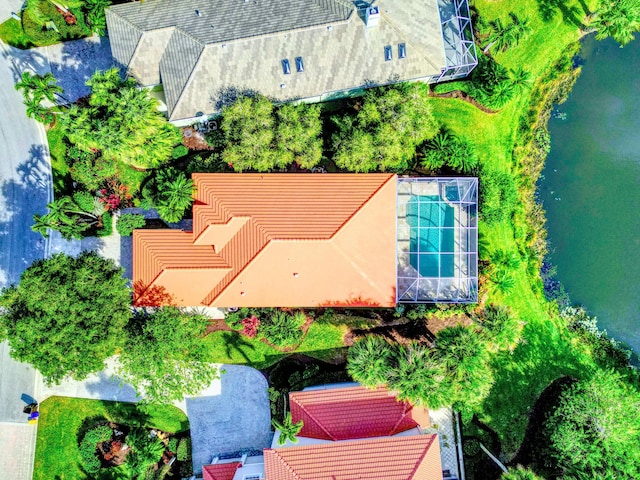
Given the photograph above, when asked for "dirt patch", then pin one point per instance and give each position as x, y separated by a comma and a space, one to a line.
435, 324
459, 94
218, 326
194, 140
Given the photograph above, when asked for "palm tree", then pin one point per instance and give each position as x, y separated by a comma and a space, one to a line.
505, 35
520, 79
369, 361
520, 473
420, 378
288, 429
175, 195
500, 327
618, 19
39, 87
38, 112
47, 87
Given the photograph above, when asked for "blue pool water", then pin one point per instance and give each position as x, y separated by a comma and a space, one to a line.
431, 236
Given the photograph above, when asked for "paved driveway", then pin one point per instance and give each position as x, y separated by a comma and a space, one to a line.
236, 420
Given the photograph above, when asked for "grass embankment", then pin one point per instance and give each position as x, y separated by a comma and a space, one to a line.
548, 351
62, 418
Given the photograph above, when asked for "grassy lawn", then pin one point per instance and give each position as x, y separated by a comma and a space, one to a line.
324, 340
58, 150
61, 419
11, 33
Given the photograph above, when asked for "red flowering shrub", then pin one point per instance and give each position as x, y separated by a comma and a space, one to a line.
115, 195
250, 326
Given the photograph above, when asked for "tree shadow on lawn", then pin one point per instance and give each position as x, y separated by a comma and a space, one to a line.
533, 451
542, 357
234, 342
570, 13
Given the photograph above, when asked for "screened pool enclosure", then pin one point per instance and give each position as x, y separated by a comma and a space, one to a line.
437, 240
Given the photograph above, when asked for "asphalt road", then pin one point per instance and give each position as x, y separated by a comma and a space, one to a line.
25, 188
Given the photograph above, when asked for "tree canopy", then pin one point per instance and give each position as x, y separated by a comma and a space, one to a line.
618, 19
67, 315
455, 371
164, 357
385, 131
259, 136
122, 122
595, 428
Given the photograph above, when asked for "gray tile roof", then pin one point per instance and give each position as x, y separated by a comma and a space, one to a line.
244, 49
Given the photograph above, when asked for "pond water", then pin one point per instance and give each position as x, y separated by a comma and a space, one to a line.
591, 188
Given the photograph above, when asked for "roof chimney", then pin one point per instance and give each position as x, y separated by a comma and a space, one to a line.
372, 16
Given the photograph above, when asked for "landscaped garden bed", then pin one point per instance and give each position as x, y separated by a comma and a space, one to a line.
80, 438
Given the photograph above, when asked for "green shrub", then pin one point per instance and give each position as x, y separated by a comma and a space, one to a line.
89, 169
89, 444
85, 201
11, 33
107, 225
234, 319
172, 445
179, 152
183, 452
100, 433
128, 222
498, 195
448, 150
282, 328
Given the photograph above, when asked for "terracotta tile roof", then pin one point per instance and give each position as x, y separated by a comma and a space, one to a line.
277, 240
353, 412
220, 471
415, 457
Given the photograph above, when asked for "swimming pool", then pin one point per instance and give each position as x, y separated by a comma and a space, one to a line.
431, 240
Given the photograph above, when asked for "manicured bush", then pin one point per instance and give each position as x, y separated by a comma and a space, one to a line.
172, 445
107, 225
179, 152
183, 452
89, 444
128, 222
12, 33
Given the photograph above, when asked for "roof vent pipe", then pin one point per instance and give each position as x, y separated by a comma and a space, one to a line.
198, 13
372, 16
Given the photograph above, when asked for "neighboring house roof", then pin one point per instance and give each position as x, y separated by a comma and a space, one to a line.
205, 51
220, 471
353, 412
415, 457
276, 240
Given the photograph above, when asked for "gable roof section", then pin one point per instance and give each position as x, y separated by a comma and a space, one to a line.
415, 457
281, 239
235, 46
127, 33
226, 20
352, 412
220, 471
